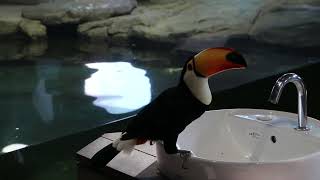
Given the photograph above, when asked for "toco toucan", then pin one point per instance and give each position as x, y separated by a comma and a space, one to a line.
175, 108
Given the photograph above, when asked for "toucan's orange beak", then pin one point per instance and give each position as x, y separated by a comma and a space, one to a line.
214, 60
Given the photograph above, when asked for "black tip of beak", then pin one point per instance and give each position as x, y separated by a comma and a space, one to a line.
236, 58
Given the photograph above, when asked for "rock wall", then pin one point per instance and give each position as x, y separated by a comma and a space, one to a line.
78, 11
176, 20
289, 23
293, 23
24, 2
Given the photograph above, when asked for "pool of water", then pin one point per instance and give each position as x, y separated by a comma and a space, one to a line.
44, 100
83, 86
55, 100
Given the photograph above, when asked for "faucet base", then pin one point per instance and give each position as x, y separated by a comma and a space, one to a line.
302, 128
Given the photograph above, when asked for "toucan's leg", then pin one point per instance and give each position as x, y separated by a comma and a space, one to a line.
171, 148
170, 145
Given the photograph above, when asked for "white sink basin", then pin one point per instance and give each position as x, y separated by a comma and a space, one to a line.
245, 144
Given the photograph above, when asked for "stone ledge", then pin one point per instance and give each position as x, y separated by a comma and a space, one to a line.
140, 164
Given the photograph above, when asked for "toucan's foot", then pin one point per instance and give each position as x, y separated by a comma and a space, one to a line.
184, 155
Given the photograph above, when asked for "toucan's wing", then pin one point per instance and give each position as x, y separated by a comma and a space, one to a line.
154, 115
168, 114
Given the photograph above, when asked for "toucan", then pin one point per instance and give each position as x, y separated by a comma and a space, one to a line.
175, 108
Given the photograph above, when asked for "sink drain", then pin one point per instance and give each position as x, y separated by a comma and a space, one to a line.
273, 139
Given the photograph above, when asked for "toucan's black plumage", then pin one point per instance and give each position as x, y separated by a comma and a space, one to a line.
166, 117
175, 108
163, 119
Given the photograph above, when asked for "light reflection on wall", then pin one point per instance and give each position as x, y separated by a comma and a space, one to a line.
118, 86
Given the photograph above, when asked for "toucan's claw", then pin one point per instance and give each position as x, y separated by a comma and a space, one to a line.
184, 155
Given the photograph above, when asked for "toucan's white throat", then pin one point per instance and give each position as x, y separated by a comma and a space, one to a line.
199, 87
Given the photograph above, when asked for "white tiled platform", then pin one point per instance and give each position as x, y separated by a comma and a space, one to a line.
140, 164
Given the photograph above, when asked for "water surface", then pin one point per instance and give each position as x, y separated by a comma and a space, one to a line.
76, 87
41, 101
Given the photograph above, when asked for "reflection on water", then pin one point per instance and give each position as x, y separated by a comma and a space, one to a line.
43, 101
57, 94
62, 94
13, 147
48, 99
118, 86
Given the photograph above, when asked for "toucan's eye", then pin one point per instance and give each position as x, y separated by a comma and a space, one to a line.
190, 67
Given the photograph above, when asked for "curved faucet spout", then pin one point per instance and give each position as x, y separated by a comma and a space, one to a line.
302, 96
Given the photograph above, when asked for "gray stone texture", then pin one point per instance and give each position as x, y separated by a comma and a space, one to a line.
173, 20
78, 11
9, 27
25, 2
9, 19
293, 23
33, 29
190, 24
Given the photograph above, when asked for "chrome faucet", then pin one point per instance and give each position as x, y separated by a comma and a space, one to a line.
302, 97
